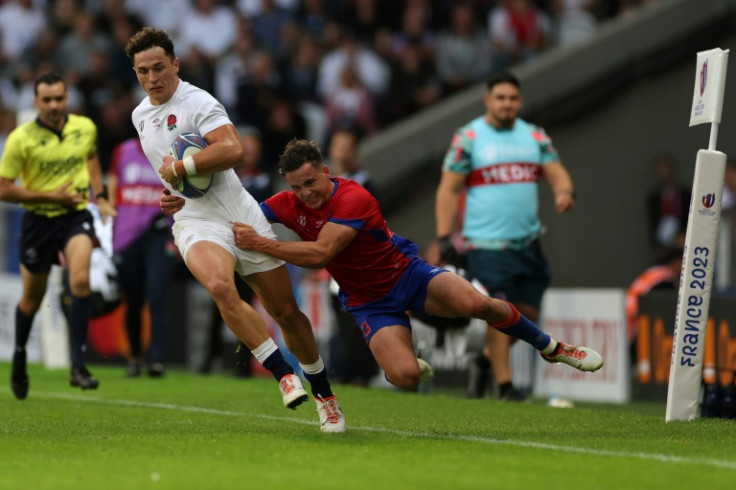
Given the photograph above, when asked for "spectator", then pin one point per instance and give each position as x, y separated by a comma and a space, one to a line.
7, 124
232, 70
20, 23
414, 83
258, 91
414, 30
268, 25
316, 19
63, 14
300, 73
351, 104
251, 8
283, 125
257, 182
168, 15
369, 68
574, 19
77, 47
463, 51
519, 31
343, 159
144, 253
667, 205
210, 29
121, 29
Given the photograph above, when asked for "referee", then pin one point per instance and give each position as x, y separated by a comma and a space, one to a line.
56, 160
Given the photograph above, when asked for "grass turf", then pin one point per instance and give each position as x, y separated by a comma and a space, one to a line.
191, 431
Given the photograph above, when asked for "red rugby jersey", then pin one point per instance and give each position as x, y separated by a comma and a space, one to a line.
371, 265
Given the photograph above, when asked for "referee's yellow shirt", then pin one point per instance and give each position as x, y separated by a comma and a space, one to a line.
46, 160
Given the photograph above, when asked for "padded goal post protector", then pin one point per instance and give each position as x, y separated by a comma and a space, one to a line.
695, 286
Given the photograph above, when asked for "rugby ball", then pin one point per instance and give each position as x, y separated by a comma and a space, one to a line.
188, 144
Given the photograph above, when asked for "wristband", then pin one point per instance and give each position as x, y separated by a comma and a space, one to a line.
570, 193
173, 168
102, 194
189, 167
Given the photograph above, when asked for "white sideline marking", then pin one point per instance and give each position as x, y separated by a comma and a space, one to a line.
665, 458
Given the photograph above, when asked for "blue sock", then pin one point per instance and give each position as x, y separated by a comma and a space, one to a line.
519, 326
79, 313
23, 325
277, 365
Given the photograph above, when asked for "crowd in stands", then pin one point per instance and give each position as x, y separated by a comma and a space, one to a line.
290, 68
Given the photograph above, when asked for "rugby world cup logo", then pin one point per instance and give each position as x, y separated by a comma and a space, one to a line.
703, 77
709, 200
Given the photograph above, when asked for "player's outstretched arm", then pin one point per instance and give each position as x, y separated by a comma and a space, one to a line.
313, 255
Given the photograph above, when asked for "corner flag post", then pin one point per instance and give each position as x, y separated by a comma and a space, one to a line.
699, 255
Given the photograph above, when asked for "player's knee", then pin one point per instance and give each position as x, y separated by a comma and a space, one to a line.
29, 306
223, 292
287, 313
476, 305
79, 286
406, 377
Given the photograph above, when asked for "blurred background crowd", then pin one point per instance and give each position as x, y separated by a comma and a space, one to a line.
288, 68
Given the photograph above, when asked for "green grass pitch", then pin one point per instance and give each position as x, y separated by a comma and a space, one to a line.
189, 431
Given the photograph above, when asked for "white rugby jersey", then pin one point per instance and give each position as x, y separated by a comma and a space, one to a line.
192, 109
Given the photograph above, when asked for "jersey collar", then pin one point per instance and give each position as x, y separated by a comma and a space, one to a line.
60, 134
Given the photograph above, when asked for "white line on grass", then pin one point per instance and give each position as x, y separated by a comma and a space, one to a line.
665, 458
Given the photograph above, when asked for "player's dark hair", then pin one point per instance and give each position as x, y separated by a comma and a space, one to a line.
47, 79
502, 77
147, 38
299, 152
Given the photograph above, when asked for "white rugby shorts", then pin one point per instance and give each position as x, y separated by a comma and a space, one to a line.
187, 232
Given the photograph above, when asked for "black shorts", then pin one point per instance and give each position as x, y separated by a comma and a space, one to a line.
42, 238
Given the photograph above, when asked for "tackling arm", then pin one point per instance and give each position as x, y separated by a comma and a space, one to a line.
313, 255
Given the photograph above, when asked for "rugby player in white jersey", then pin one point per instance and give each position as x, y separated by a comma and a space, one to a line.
203, 227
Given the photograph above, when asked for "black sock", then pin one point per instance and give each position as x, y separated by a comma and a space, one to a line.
23, 324
79, 313
278, 365
504, 388
319, 384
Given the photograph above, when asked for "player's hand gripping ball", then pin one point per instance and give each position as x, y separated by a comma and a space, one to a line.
189, 144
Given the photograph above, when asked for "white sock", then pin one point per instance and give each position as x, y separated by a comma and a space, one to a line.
550, 347
313, 368
264, 350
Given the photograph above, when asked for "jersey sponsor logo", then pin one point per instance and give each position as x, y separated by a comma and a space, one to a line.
140, 194
504, 173
61, 166
507, 152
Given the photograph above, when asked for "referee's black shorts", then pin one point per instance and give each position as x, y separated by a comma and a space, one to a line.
42, 238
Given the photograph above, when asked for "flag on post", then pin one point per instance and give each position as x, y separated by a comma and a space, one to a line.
710, 82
